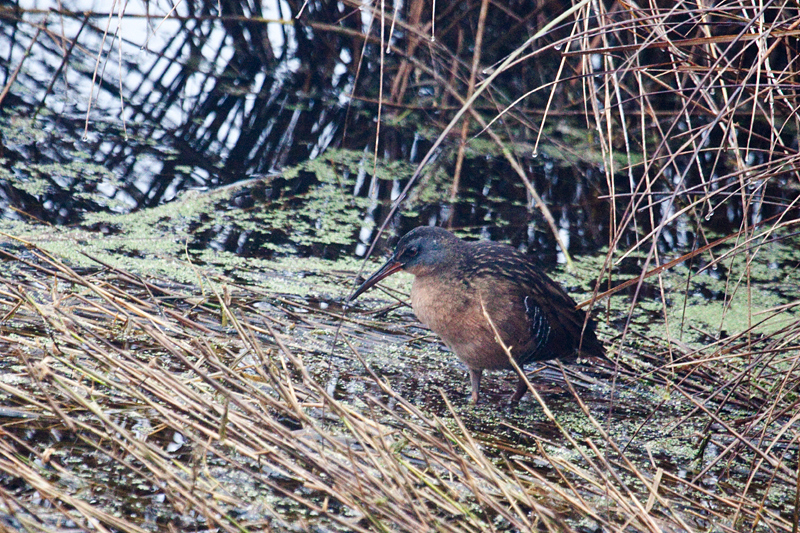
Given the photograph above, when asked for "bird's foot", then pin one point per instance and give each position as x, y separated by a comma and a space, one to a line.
522, 388
475, 381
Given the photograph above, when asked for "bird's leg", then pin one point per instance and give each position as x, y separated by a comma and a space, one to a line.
522, 388
475, 378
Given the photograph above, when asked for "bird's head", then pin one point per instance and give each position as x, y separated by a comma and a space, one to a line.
422, 251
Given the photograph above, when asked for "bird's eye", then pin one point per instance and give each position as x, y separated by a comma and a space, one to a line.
411, 251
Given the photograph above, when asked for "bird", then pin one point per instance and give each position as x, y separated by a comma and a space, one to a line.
457, 283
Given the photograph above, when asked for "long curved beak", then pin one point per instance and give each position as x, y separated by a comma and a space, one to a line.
389, 267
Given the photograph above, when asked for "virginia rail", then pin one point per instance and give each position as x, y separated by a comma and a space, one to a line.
535, 317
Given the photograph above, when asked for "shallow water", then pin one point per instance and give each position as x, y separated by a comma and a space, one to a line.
178, 110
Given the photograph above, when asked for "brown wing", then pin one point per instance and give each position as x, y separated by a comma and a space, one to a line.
555, 325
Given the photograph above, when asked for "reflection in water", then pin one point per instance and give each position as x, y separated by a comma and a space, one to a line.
211, 93
563, 233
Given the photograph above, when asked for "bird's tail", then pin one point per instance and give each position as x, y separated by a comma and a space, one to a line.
590, 345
